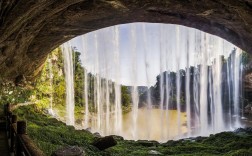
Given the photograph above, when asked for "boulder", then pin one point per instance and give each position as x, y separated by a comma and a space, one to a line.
88, 129
116, 137
153, 152
147, 143
97, 135
104, 143
69, 151
247, 130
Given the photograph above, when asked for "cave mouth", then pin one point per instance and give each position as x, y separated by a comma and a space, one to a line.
151, 81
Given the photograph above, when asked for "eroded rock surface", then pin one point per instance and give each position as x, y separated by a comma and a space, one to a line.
29, 30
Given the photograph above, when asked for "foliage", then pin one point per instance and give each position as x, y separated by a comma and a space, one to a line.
225, 143
246, 58
9, 93
78, 80
42, 89
125, 99
51, 85
58, 78
54, 85
50, 134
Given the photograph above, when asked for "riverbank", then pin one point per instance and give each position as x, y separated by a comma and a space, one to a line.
50, 134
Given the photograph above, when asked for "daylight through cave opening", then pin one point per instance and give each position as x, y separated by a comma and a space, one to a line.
197, 88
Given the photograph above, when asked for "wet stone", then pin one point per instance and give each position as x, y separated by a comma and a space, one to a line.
69, 151
104, 143
153, 152
147, 143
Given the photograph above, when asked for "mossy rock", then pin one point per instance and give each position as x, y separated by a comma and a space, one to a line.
147, 143
241, 152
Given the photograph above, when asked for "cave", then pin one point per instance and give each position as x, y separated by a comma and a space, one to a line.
31, 31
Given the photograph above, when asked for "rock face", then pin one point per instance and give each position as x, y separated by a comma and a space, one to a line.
105, 142
247, 83
31, 29
69, 151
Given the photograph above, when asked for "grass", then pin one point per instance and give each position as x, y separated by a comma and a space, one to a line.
50, 134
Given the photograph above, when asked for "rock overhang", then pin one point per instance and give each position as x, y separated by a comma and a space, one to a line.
32, 29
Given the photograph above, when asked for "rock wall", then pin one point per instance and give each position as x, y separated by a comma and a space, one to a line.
29, 30
247, 82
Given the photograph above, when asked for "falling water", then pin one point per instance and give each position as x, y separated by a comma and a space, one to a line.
196, 104
236, 82
86, 86
107, 106
50, 110
188, 78
117, 85
210, 100
229, 94
203, 86
178, 79
86, 98
69, 79
217, 87
192, 79
147, 60
162, 82
134, 91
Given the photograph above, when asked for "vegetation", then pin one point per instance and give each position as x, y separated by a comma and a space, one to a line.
126, 99
50, 134
225, 143
9, 93
49, 88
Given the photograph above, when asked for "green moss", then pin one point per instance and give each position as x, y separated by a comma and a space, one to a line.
240, 152
50, 134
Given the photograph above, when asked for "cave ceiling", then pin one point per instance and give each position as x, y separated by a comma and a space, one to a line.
31, 29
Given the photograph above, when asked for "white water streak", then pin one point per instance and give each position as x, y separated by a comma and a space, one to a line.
69, 79
191, 70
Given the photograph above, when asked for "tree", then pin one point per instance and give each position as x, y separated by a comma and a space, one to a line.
126, 98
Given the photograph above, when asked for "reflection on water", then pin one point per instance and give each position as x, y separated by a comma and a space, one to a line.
162, 128
163, 125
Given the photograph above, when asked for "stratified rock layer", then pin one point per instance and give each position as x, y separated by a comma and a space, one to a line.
29, 30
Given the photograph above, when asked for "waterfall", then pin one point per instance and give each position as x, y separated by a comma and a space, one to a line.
117, 85
229, 94
235, 58
134, 89
217, 88
188, 80
86, 118
203, 86
69, 80
147, 70
198, 92
211, 98
178, 79
86, 84
107, 107
50, 110
162, 81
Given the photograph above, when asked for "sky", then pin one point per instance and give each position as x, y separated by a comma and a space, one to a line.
134, 54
